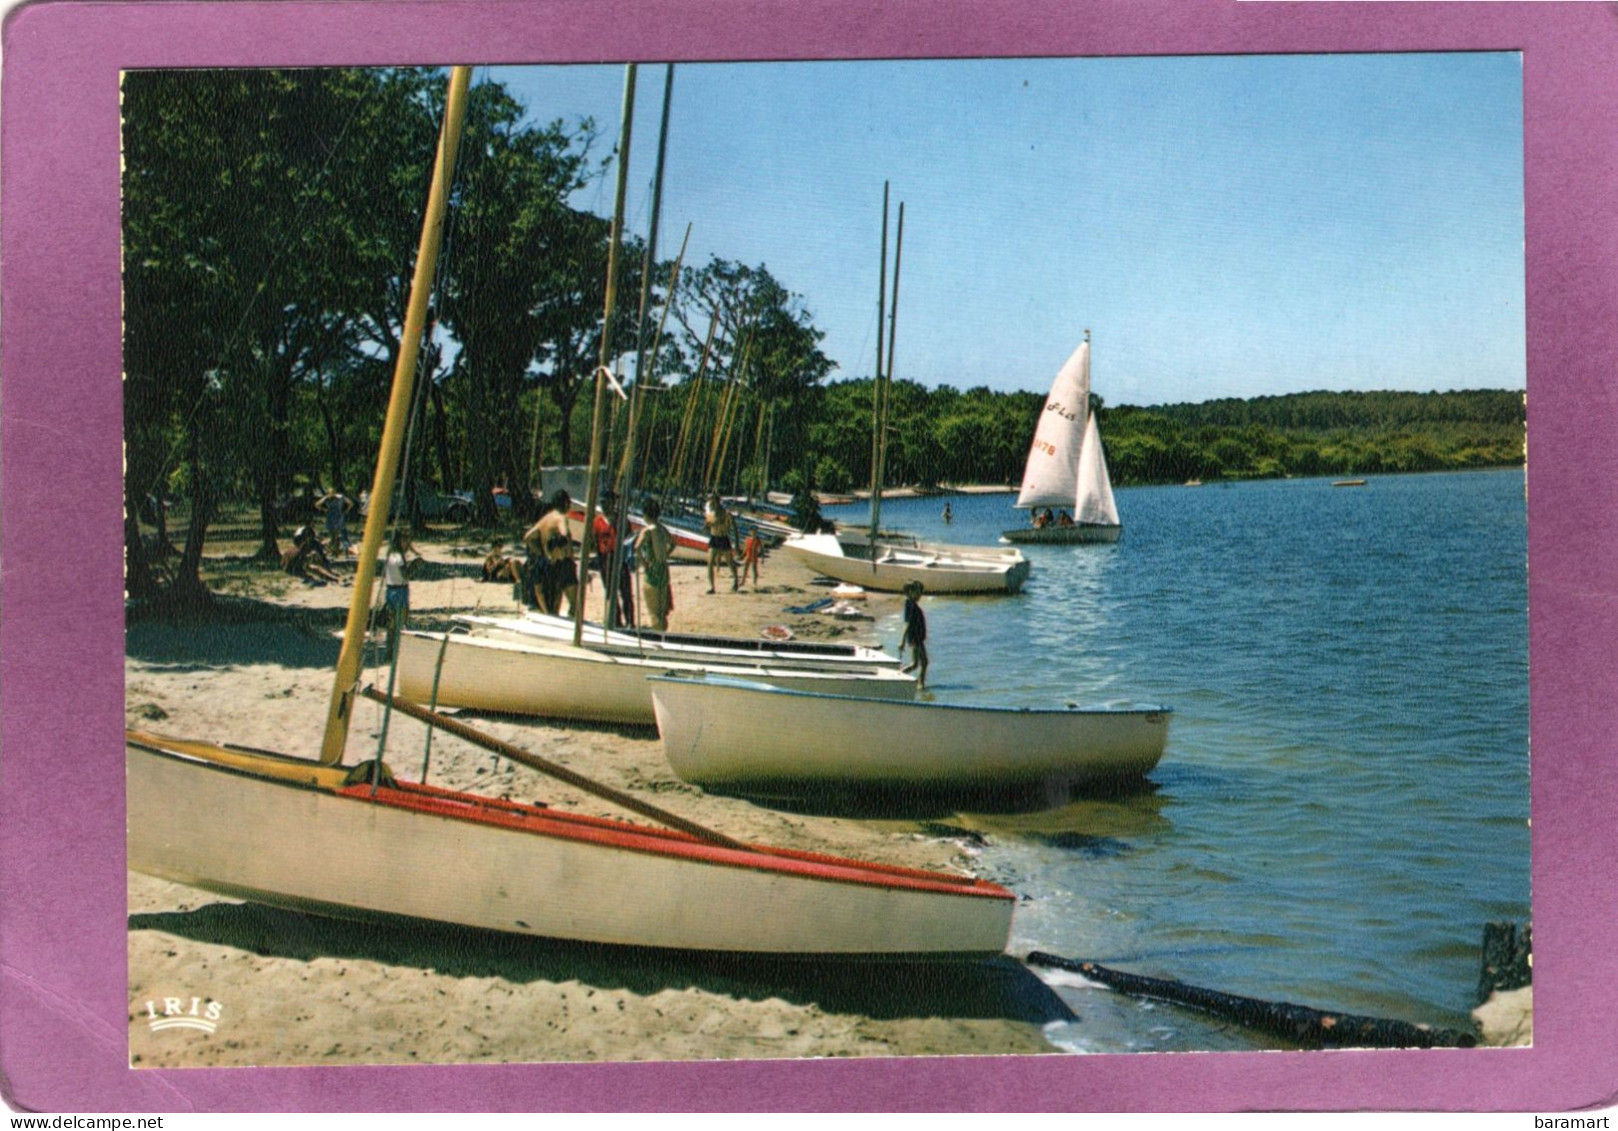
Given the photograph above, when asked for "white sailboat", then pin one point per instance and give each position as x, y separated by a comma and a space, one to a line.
354, 842
1067, 466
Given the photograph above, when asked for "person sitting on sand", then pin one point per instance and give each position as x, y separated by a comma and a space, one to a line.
721, 530
915, 633
652, 549
553, 572
307, 559
752, 551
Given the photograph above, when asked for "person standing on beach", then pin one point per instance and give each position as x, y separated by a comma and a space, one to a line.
606, 524
396, 582
652, 549
915, 633
550, 548
336, 507
752, 551
721, 530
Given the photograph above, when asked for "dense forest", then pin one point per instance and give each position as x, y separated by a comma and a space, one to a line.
270, 226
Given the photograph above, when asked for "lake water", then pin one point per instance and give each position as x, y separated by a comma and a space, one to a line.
1344, 799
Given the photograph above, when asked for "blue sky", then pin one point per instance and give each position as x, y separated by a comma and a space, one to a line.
1224, 225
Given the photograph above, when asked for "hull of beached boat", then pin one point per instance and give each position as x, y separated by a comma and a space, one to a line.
560, 681
286, 832
683, 646
1080, 533
747, 738
890, 567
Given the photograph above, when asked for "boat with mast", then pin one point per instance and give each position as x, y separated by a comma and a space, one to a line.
353, 841
885, 560
1067, 466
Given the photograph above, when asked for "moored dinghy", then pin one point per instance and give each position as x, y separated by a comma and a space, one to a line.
890, 567
746, 737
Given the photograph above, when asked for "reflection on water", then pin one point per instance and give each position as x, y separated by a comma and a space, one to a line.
1344, 799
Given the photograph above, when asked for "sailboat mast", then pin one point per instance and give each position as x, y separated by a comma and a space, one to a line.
882, 418
393, 429
587, 540
876, 383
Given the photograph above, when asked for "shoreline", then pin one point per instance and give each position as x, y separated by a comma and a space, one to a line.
297, 989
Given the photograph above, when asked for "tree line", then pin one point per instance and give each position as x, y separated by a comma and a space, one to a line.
270, 226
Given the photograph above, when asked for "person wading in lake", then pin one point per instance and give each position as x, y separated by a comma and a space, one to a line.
915, 633
555, 575
652, 550
721, 541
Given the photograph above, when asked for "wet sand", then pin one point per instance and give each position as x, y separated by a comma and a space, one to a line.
296, 989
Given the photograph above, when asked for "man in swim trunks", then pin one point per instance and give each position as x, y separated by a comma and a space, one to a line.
550, 552
721, 541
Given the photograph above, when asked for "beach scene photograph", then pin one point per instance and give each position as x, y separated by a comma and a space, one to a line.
837, 559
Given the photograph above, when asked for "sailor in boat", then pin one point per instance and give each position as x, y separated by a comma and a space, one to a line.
1042, 518
307, 559
555, 575
652, 549
1064, 519
752, 551
721, 530
606, 524
915, 632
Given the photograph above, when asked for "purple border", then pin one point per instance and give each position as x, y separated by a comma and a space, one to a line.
63, 1032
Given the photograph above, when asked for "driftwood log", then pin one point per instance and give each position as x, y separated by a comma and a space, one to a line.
1309, 1027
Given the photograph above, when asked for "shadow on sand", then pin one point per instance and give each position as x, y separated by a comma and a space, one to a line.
999, 988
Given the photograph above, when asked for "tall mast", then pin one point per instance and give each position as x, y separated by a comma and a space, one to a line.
876, 384
587, 540
893, 325
393, 429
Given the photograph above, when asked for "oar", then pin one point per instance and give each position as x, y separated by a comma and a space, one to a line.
545, 766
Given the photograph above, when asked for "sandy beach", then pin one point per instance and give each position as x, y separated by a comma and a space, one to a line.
295, 989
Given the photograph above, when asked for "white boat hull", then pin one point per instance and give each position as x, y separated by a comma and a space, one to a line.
730, 735
1080, 533
465, 860
683, 646
560, 681
891, 567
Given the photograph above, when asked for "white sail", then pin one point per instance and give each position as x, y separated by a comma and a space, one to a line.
1092, 502
1051, 476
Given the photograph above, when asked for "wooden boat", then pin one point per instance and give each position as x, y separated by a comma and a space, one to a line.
890, 566
353, 842
1067, 466
292, 833
746, 737
647, 643
558, 680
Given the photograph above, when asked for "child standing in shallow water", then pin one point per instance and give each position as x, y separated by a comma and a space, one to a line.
915, 633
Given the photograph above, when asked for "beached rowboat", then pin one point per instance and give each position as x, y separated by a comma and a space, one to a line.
289, 832
744, 737
558, 680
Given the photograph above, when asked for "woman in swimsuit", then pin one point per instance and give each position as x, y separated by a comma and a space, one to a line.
652, 550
